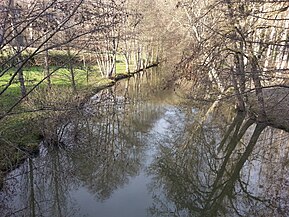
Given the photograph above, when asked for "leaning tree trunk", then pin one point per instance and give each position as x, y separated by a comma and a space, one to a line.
258, 88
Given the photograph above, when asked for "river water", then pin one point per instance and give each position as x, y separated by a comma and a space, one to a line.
138, 150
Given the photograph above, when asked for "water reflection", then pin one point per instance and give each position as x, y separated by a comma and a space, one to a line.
195, 161
210, 169
108, 148
38, 188
97, 149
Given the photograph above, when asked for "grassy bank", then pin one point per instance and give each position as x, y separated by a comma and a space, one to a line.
45, 109
20, 133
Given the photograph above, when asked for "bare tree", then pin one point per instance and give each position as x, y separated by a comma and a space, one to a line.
40, 26
238, 44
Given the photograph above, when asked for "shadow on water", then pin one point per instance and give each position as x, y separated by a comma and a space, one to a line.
211, 169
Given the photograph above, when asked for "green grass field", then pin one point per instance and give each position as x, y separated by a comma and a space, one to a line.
61, 77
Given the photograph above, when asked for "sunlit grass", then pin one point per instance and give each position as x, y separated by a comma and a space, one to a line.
88, 77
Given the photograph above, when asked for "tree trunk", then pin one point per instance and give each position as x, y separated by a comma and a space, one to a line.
18, 42
3, 18
71, 70
20, 74
86, 68
127, 60
32, 204
258, 88
46, 68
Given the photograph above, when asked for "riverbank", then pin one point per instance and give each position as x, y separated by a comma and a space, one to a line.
20, 134
276, 103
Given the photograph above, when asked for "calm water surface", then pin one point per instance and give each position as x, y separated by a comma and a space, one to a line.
135, 151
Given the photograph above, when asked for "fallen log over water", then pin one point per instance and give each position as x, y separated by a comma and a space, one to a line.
112, 82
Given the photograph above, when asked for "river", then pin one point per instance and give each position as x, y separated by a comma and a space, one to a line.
137, 149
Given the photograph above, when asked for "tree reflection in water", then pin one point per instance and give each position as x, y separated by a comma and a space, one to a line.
108, 147
242, 174
97, 148
39, 187
207, 164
